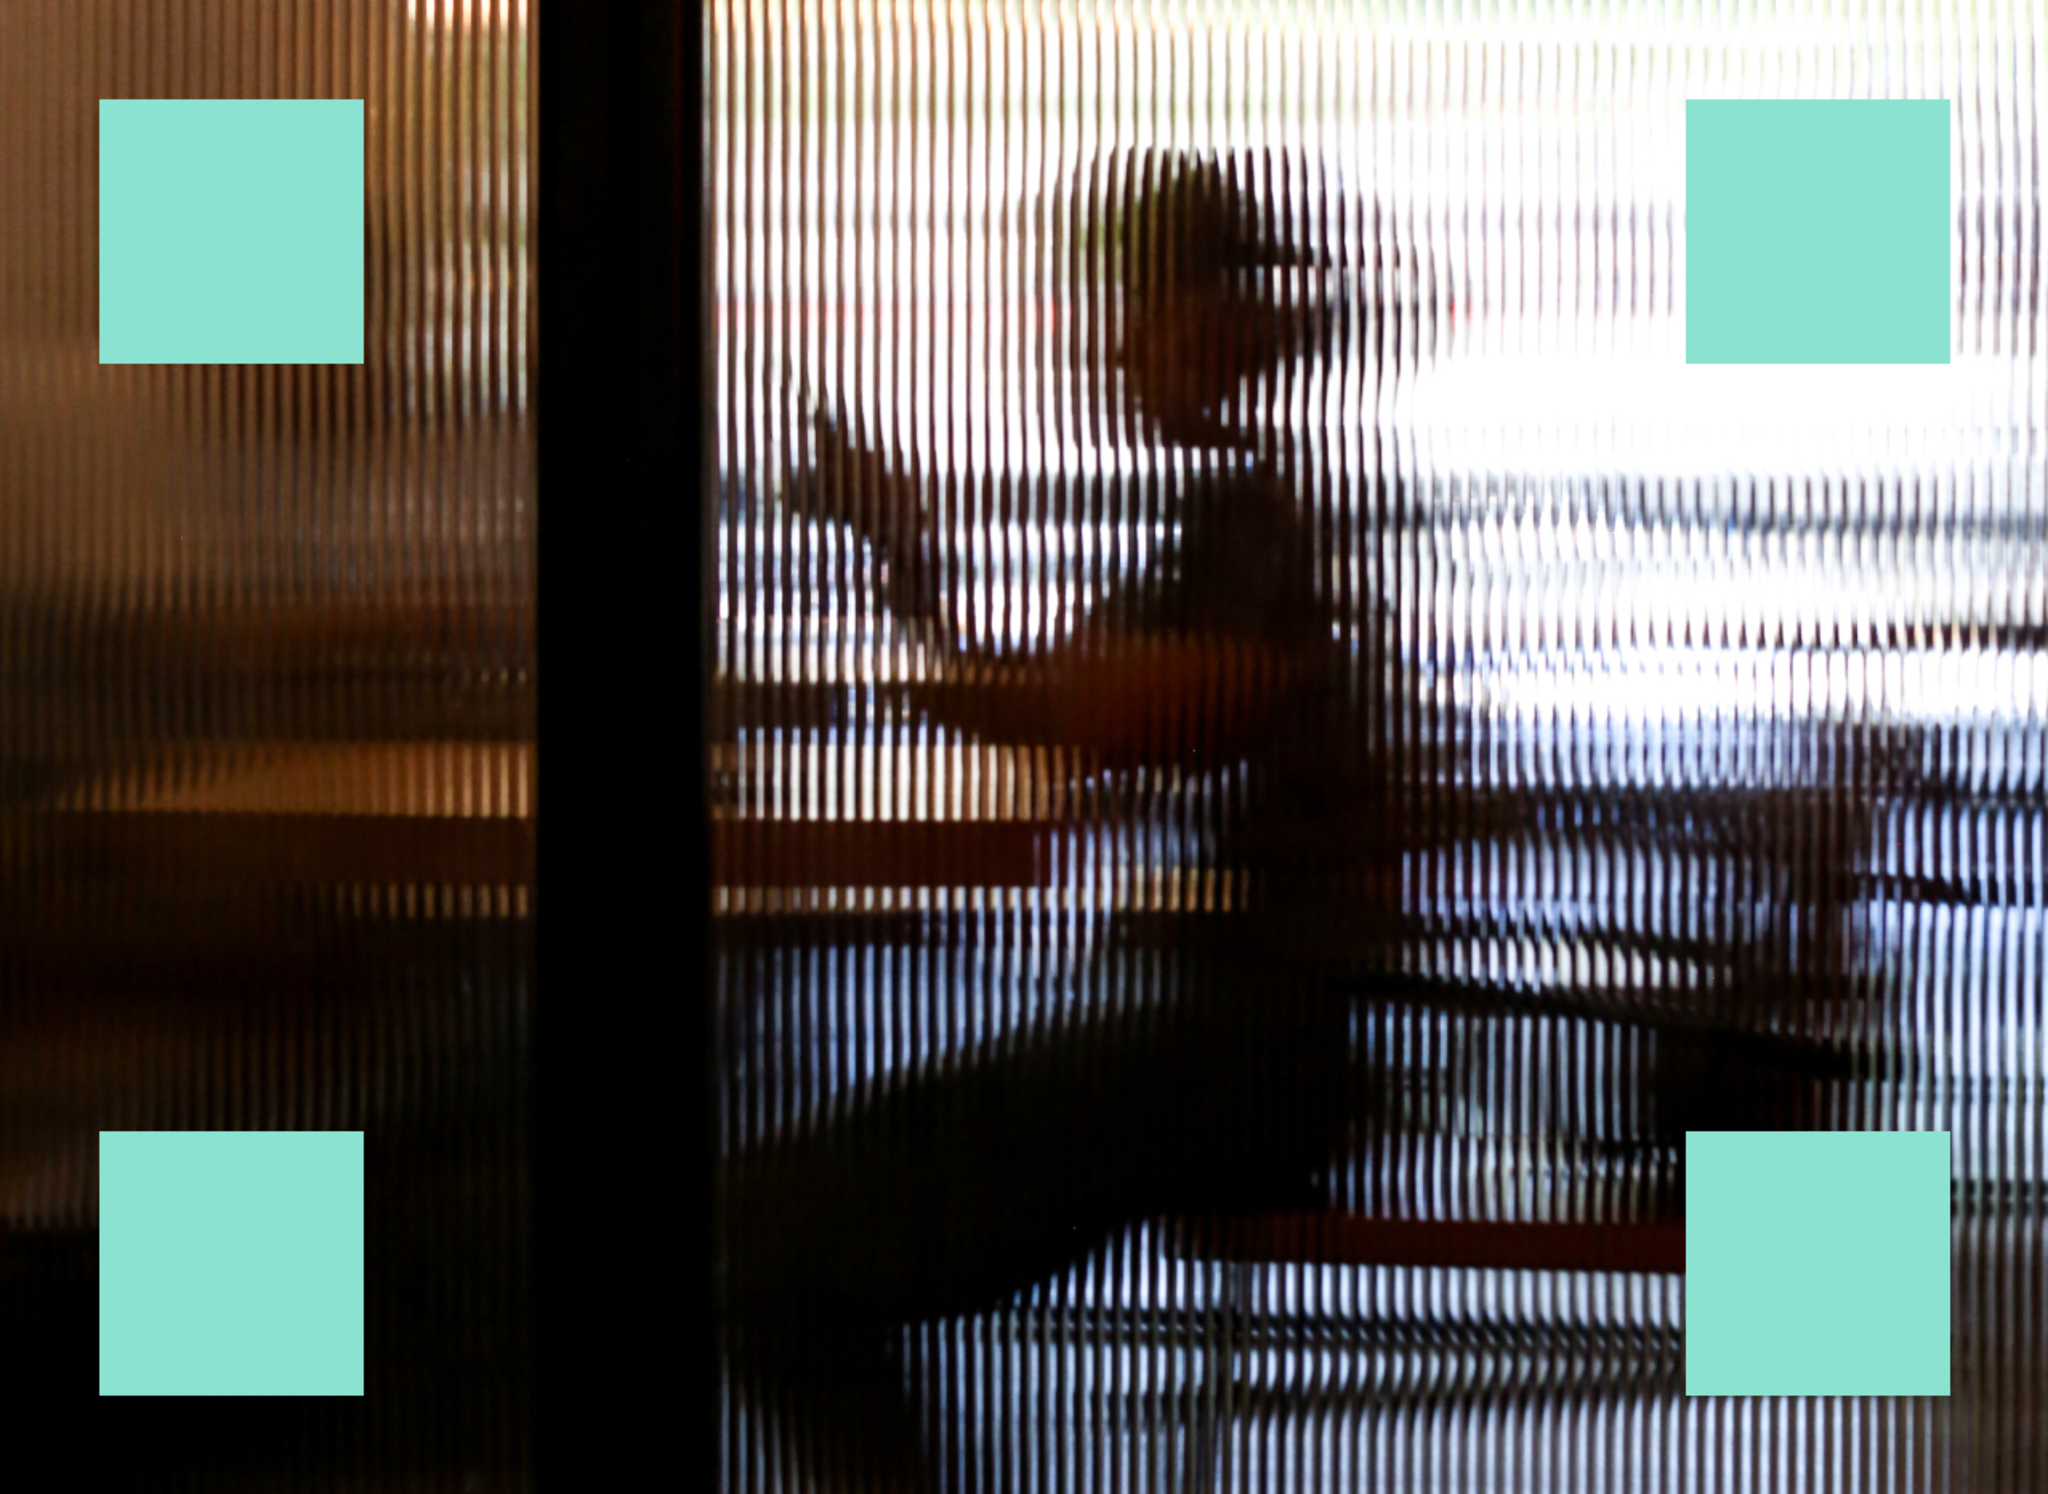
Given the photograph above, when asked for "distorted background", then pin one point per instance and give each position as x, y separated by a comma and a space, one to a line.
1798, 612
266, 726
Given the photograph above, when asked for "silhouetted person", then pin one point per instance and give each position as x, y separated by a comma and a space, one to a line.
958, 1188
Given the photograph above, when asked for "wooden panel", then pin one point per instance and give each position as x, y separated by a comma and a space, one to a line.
844, 853
270, 848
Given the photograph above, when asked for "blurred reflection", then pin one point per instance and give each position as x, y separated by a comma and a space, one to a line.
1276, 748
1244, 1086
266, 727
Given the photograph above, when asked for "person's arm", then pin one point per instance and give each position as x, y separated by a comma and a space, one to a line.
1213, 643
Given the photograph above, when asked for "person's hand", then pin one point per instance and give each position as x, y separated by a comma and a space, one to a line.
855, 486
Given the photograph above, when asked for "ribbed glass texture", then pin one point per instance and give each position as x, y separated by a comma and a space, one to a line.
1275, 747
266, 714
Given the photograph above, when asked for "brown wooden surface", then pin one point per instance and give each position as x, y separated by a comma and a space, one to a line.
881, 853
268, 848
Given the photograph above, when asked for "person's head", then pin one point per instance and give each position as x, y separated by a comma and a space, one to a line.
1203, 313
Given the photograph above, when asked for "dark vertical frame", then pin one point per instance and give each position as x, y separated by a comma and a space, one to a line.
623, 1102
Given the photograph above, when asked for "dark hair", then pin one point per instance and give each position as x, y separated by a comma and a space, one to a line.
1178, 218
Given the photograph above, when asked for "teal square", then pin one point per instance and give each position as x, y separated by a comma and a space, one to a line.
231, 1263
1817, 1263
231, 231
1817, 231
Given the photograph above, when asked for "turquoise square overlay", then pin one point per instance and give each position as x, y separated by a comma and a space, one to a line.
1817, 1263
231, 231
1817, 231
231, 1263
